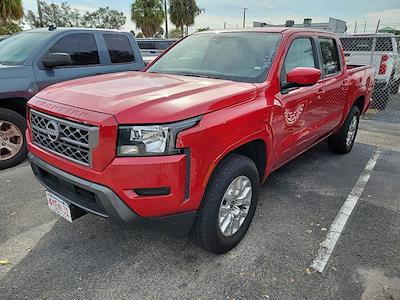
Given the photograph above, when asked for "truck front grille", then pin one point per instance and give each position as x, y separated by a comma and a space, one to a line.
70, 140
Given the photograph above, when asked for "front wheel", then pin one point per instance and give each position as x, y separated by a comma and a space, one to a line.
12, 138
228, 205
343, 141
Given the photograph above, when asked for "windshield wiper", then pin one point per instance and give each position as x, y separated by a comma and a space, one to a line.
197, 75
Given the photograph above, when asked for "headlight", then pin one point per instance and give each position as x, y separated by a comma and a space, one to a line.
148, 140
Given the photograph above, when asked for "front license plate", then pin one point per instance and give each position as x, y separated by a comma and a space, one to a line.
59, 206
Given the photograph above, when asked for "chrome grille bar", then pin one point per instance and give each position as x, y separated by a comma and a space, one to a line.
71, 140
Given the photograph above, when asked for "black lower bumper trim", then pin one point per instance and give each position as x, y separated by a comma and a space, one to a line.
100, 200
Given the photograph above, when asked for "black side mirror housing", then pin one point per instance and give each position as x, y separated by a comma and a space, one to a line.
54, 60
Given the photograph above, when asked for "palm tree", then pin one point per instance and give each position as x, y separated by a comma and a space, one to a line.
10, 10
148, 16
183, 12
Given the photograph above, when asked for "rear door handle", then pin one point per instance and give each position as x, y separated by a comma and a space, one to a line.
345, 85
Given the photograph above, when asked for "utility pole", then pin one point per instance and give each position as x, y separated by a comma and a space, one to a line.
39, 13
355, 28
244, 16
166, 19
365, 24
374, 43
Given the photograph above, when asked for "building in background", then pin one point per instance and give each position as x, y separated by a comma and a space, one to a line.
334, 25
389, 30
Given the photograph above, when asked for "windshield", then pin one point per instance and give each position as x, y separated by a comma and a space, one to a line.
16, 49
237, 56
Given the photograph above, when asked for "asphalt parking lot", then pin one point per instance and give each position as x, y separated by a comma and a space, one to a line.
49, 258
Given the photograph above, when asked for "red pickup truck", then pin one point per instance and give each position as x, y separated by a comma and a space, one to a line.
189, 140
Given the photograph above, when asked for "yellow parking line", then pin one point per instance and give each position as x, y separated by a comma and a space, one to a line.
372, 111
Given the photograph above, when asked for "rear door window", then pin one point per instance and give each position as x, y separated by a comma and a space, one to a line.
119, 48
330, 56
80, 46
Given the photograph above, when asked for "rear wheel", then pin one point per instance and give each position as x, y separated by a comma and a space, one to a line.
12, 138
228, 206
343, 141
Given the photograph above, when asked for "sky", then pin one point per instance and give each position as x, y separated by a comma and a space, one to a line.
270, 11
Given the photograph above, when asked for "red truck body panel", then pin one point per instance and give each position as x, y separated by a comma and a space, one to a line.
233, 114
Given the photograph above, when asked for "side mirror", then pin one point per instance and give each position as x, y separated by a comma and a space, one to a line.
303, 77
56, 60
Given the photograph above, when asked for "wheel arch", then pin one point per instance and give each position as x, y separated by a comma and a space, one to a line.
257, 149
360, 103
15, 104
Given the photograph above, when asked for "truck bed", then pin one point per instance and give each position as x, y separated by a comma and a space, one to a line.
355, 68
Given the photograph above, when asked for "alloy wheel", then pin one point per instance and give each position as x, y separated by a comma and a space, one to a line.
351, 134
11, 140
235, 206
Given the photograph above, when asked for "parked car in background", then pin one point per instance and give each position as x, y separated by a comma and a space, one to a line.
35, 59
386, 62
189, 140
151, 48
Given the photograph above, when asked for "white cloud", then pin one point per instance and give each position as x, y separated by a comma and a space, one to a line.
388, 16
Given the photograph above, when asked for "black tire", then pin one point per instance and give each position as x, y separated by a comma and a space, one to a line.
206, 232
338, 142
20, 122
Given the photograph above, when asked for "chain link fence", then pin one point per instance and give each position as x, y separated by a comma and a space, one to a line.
382, 51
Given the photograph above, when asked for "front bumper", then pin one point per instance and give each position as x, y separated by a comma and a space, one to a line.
98, 199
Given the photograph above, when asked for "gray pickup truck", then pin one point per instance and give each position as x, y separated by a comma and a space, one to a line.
35, 59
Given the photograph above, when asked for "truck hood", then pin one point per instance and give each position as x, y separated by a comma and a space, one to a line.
138, 97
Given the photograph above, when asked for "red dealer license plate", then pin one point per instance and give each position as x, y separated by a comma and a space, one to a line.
59, 206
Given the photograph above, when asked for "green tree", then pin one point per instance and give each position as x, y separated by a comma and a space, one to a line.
203, 29
61, 15
148, 15
104, 17
175, 33
9, 28
183, 13
10, 10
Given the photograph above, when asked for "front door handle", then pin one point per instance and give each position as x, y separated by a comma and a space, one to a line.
320, 93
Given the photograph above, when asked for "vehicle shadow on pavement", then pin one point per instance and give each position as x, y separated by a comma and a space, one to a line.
94, 258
